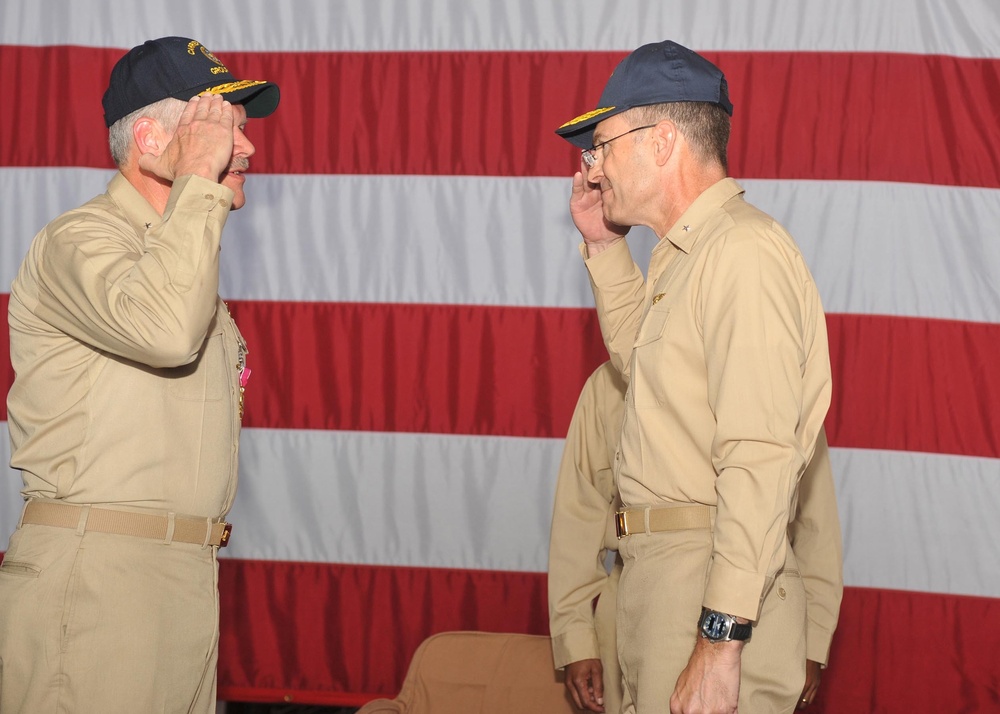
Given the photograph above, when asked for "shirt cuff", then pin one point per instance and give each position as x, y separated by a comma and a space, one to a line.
197, 192
611, 266
818, 642
733, 591
574, 646
196, 213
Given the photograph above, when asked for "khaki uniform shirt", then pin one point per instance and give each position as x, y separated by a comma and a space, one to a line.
725, 350
127, 363
583, 525
583, 529
816, 541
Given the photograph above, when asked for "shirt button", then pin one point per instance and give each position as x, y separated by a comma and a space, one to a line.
210, 197
223, 203
781, 593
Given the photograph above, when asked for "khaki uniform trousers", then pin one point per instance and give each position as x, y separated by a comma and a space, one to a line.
99, 624
605, 615
659, 603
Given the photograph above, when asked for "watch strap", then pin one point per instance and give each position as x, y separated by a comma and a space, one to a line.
741, 632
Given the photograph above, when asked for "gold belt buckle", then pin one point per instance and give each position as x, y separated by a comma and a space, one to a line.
621, 530
224, 538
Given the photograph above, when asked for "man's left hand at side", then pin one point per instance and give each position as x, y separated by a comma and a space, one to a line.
584, 680
814, 673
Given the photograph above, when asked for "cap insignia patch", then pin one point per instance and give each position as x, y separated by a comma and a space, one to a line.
585, 117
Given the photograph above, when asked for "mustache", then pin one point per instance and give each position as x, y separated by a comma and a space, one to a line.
239, 165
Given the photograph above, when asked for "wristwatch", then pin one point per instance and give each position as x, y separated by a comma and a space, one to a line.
717, 626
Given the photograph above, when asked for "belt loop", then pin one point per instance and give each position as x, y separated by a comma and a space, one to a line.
645, 519
169, 537
208, 532
20, 521
81, 527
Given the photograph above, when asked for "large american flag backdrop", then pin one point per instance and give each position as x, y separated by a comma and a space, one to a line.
420, 322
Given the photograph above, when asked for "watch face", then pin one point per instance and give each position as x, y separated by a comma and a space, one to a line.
715, 626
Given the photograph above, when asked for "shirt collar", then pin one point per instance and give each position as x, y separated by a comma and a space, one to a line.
686, 231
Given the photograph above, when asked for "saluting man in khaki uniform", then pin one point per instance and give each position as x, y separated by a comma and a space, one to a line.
126, 406
583, 534
725, 351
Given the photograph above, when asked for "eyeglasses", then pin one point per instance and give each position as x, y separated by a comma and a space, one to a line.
590, 155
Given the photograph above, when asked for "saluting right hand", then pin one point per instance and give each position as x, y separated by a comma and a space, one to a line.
202, 144
587, 210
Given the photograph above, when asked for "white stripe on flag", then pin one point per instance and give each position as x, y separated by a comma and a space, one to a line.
916, 521
874, 248
967, 28
911, 521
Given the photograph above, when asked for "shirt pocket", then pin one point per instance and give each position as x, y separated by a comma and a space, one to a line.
653, 325
204, 380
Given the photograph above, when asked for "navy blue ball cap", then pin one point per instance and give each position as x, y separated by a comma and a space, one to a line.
653, 74
181, 68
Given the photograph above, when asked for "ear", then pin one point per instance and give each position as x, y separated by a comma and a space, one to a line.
664, 141
149, 136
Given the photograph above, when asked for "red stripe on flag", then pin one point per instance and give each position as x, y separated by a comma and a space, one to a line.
943, 660
353, 628
904, 384
912, 384
448, 369
296, 629
913, 118
509, 371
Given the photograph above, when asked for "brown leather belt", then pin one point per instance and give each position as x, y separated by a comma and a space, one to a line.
652, 519
157, 526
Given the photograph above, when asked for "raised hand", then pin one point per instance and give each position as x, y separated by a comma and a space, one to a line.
202, 144
587, 211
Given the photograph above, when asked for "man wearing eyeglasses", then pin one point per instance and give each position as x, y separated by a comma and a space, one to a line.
583, 537
725, 351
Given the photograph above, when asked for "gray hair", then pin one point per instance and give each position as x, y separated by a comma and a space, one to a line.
166, 111
704, 125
